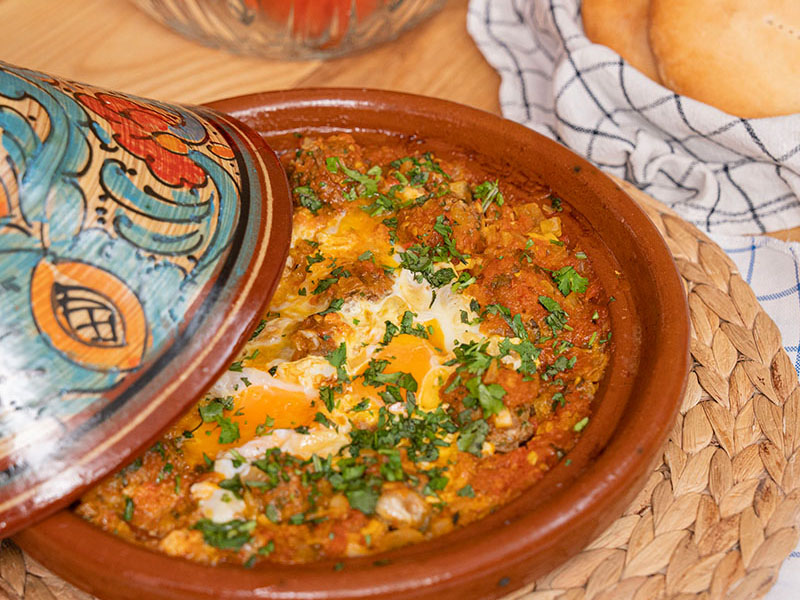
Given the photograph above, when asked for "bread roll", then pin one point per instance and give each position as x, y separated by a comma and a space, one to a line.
622, 26
742, 56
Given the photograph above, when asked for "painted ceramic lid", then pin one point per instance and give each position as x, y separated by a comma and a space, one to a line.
139, 244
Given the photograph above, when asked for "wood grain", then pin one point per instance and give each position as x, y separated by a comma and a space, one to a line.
111, 43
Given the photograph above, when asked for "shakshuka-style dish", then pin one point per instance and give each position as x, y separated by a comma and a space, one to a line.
433, 348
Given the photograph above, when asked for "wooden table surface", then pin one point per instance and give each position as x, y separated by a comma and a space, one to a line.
112, 44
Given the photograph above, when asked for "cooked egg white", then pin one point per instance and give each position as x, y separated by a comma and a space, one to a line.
289, 398
215, 503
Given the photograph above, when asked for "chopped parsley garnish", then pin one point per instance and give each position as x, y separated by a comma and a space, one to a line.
238, 460
562, 363
380, 206
422, 434
464, 281
466, 492
335, 306
365, 499
419, 260
406, 326
471, 437
336, 274
324, 421
213, 412
528, 353
488, 192
569, 280
308, 198
326, 395
374, 376
267, 548
581, 424
313, 259
441, 277
276, 466
368, 182
490, 396
233, 484
127, 515
368, 255
338, 359
592, 339
436, 481
515, 322
261, 428
447, 250
429, 163
392, 469
272, 513
361, 406
473, 359
229, 431
257, 331
230, 535
557, 319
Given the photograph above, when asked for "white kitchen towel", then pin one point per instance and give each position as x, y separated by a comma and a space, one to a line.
722, 173
726, 175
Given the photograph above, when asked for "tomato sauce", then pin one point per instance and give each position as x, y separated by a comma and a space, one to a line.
434, 348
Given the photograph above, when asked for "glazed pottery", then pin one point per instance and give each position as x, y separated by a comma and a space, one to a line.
574, 502
293, 29
139, 242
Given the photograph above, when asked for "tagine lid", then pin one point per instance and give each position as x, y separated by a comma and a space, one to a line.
140, 243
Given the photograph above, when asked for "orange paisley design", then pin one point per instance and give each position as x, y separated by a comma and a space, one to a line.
144, 132
89, 315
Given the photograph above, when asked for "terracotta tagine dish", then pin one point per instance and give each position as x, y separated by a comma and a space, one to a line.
139, 242
184, 159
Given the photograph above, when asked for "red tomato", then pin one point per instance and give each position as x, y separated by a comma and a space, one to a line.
313, 18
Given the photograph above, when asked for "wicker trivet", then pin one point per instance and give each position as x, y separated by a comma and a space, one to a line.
719, 515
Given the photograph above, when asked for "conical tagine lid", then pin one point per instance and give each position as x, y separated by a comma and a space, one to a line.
139, 244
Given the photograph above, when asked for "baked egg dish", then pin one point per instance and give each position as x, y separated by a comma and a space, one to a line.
432, 350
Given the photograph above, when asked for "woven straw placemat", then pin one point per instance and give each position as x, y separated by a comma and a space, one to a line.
719, 514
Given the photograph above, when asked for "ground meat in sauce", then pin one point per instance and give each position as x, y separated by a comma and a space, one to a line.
381, 454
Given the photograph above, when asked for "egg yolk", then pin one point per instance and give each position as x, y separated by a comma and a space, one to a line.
286, 409
415, 356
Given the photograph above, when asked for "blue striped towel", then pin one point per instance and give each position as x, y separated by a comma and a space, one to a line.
730, 177
726, 175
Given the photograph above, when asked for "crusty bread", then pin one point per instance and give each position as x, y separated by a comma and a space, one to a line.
742, 56
622, 26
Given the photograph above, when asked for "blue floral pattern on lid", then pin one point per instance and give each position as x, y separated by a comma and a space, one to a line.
122, 223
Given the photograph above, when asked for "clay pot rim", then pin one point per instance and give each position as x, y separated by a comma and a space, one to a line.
603, 487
